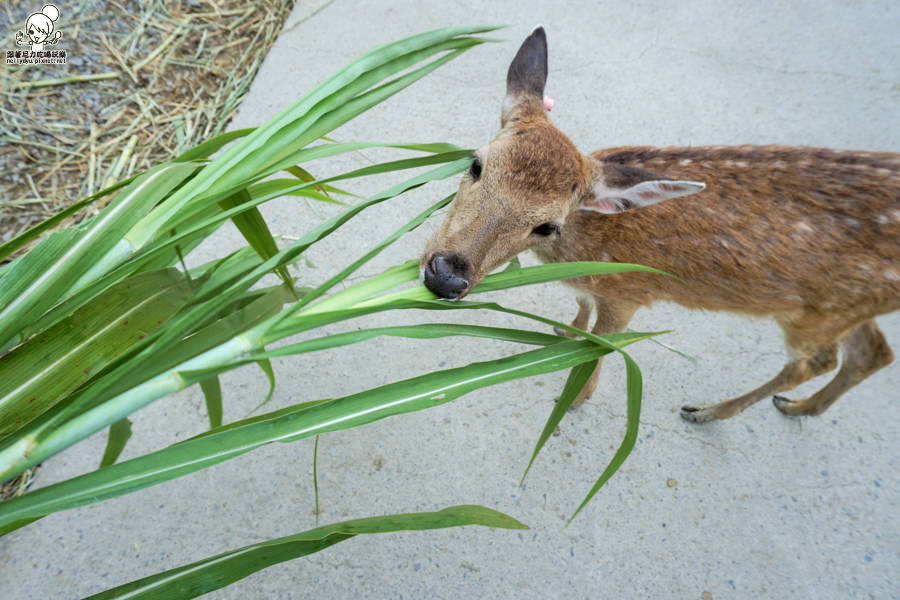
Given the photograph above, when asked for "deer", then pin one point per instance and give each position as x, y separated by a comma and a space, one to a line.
807, 236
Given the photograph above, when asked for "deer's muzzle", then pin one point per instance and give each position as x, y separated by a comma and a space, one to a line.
447, 275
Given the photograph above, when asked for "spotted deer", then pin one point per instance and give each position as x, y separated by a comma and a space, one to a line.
808, 236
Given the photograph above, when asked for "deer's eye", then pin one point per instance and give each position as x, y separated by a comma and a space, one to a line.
546, 229
475, 169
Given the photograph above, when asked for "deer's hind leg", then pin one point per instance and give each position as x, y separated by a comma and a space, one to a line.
866, 351
815, 353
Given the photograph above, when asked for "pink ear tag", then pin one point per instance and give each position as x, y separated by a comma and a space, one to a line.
548, 102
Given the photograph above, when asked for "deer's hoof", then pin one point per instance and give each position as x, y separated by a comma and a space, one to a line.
563, 332
576, 404
698, 414
789, 407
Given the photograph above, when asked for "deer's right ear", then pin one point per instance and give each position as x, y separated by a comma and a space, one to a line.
618, 188
527, 75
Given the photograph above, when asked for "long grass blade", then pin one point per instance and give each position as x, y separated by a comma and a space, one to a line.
213, 145
119, 434
633, 420
316, 478
253, 227
577, 378
219, 571
212, 394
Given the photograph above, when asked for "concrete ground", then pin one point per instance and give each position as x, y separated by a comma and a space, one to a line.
759, 506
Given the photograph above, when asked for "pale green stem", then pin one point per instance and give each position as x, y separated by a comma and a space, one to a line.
117, 255
358, 294
32, 449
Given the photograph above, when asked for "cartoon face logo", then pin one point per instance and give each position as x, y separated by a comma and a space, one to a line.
39, 29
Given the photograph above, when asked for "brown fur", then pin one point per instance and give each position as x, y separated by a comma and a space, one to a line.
808, 236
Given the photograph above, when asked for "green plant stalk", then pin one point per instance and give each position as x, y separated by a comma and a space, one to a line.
358, 293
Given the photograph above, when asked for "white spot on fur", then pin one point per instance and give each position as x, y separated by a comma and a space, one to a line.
795, 298
896, 214
685, 162
892, 275
803, 226
851, 221
883, 220
741, 163
780, 164
883, 171
724, 240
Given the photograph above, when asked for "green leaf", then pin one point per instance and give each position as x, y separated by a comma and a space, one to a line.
512, 278
212, 393
119, 434
211, 146
577, 378
422, 331
633, 420
266, 366
271, 188
10, 527
513, 264
254, 229
38, 374
219, 571
316, 477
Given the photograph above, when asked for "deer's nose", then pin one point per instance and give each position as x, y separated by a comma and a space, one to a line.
447, 275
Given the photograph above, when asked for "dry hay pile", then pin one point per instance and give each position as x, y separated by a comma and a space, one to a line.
143, 82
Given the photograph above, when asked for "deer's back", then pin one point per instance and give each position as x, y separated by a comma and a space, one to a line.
777, 228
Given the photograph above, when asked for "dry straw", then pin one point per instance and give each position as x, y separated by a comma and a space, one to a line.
144, 81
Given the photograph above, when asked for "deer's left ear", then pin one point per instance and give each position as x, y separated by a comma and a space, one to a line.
630, 188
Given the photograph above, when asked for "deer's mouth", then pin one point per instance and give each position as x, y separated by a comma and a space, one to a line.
448, 275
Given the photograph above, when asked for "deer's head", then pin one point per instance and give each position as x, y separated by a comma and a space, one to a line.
522, 186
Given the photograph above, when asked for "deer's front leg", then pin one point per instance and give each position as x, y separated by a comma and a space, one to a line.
585, 306
612, 317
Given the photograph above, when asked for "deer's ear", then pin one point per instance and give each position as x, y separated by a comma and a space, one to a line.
527, 74
613, 195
